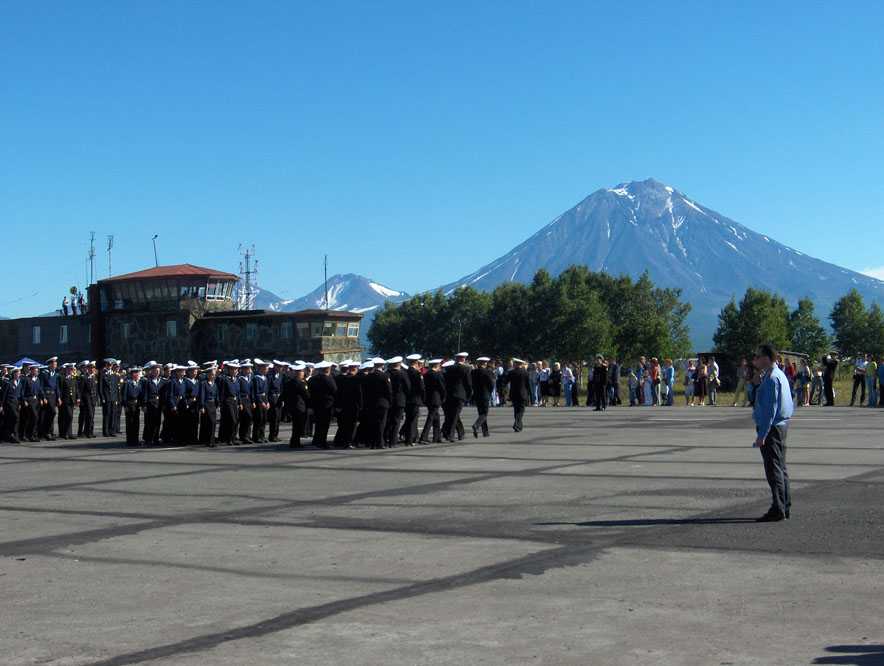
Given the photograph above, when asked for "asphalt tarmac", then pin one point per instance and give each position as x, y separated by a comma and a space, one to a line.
624, 537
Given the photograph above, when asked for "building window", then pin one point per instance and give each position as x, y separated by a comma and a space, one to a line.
328, 329
352, 330
303, 330
251, 331
316, 329
63, 334
126, 329
341, 330
171, 328
285, 330
35, 335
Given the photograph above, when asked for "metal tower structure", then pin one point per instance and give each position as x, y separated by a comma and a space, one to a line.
247, 288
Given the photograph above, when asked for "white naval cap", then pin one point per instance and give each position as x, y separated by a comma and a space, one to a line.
483, 358
51, 359
518, 360
231, 364
414, 357
246, 364
322, 365
366, 365
298, 366
275, 362
447, 364
208, 363
69, 365
377, 360
258, 361
150, 364
395, 359
192, 364
461, 355
434, 361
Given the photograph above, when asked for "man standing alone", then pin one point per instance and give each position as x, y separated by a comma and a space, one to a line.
520, 392
771, 412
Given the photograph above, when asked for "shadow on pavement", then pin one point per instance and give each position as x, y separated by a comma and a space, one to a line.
644, 522
858, 655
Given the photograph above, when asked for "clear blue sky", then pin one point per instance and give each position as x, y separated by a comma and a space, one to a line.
371, 131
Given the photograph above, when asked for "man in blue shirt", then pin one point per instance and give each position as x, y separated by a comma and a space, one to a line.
771, 412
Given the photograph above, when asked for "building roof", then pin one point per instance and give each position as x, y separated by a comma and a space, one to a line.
173, 271
299, 314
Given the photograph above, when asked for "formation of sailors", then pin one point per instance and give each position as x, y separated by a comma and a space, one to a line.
377, 403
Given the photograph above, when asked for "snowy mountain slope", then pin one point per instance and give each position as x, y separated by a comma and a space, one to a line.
646, 225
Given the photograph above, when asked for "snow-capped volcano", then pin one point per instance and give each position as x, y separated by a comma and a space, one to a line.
646, 225
349, 292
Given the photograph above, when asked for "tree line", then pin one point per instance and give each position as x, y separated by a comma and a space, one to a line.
762, 316
570, 318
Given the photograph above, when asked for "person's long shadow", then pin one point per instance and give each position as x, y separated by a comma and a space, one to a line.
857, 655
644, 522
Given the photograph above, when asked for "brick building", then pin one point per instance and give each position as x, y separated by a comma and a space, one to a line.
177, 313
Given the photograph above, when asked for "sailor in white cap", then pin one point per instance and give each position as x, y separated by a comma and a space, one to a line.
246, 405
434, 398
414, 401
348, 404
401, 386
323, 390
190, 426
483, 386
274, 398
131, 396
169, 428
87, 390
153, 409
207, 401
458, 389
229, 402
261, 402
108, 397
51, 399
519, 392
68, 401
377, 397
295, 401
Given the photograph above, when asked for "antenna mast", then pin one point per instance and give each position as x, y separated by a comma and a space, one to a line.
325, 279
91, 257
110, 246
248, 275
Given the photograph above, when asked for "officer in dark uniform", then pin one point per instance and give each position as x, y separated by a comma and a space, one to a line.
207, 399
118, 412
109, 395
260, 401
401, 387
68, 391
600, 383
348, 404
168, 419
31, 397
10, 401
50, 401
295, 398
153, 409
246, 405
378, 396
274, 395
175, 407
520, 392
415, 399
459, 389
131, 397
483, 386
88, 392
191, 415
323, 389
228, 399
434, 397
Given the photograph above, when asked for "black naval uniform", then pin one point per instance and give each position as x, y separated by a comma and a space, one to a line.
167, 429
176, 411
274, 395
246, 412
401, 387
207, 401
483, 386
10, 399
520, 395
434, 396
294, 399
49, 384
259, 399
348, 402
31, 395
131, 396
600, 386
378, 395
459, 389
118, 412
109, 392
88, 390
413, 404
323, 390
152, 410
228, 399
191, 416
69, 395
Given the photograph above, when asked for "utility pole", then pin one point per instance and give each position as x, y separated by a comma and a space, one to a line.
110, 246
156, 261
248, 272
325, 279
91, 257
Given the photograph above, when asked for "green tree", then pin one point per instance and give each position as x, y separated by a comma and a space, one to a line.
581, 322
806, 334
874, 340
760, 317
850, 323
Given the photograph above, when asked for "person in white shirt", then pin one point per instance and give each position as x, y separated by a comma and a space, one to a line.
859, 379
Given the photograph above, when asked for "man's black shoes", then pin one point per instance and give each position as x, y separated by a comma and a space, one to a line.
771, 517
